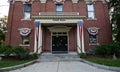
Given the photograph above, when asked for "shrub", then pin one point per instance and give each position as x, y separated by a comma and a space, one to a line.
6, 50
33, 56
108, 49
21, 53
1, 49
82, 55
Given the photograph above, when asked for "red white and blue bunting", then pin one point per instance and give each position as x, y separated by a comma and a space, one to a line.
58, 1
27, 1
25, 31
93, 30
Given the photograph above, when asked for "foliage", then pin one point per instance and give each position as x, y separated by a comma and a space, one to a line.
33, 56
108, 49
2, 37
12, 63
107, 62
6, 50
115, 5
21, 53
82, 55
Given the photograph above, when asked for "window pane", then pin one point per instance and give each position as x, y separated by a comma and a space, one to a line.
91, 15
27, 8
92, 39
26, 15
90, 7
59, 8
25, 40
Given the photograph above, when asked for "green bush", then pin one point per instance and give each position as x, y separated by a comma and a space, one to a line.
33, 56
82, 55
6, 50
108, 49
1, 49
21, 53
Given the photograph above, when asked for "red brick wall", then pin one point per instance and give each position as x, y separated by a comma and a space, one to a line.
46, 39
72, 39
16, 14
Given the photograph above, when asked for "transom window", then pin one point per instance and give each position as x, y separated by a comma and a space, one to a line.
59, 7
27, 10
91, 14
59, 33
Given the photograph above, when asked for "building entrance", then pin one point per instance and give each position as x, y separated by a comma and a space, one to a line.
59, 42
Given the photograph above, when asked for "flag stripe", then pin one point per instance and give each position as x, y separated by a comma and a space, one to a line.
80, 29
37, 30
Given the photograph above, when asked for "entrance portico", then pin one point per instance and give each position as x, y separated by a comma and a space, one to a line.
59, 33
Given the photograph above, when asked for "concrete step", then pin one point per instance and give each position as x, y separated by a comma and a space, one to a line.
49, 57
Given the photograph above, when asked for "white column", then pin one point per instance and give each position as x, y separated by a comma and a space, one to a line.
78, 40
83, 47
40, 40
35, 42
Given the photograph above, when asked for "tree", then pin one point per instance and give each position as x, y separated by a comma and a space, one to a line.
115, 6
3, 22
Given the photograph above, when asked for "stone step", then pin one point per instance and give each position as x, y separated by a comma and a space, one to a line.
49, 57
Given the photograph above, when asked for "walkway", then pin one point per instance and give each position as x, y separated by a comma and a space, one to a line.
60, 63
68, 66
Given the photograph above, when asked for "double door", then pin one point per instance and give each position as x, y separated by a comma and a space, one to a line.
59, 42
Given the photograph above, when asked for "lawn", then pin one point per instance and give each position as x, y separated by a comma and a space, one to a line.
105, 61
12, 63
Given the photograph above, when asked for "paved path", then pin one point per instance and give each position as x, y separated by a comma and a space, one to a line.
68, 66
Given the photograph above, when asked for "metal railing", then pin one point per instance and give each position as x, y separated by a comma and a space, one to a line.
59, 13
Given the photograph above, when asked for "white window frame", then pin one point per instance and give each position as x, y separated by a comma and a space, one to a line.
59, 7
95, 43
91, 11
27, 14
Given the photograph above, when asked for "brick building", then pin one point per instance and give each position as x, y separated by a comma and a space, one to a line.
58, 26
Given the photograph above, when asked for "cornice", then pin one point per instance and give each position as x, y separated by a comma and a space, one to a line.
58, 17
44, 1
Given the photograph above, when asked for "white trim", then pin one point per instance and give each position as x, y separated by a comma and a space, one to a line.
62, 29
67, 41
75, 1
57, 21
24, 45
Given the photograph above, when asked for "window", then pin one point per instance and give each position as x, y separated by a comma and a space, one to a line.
59, 8
27, 10
91, 14
93, 39
25, 40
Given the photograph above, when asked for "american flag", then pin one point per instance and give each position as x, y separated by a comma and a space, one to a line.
80, 25
37, 29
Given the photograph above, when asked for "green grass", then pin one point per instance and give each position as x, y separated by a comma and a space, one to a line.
104, 61
12, 63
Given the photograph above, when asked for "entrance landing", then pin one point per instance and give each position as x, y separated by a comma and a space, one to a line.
49, 57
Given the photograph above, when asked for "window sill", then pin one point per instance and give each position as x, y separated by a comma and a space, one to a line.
25, 19
94, 44
24, 45
92, 19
